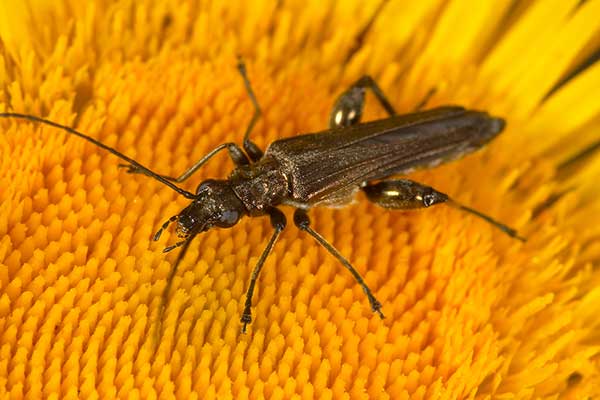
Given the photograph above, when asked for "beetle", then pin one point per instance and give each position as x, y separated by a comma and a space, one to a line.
326, 168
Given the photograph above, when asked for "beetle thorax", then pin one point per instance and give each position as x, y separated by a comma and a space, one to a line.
259, 186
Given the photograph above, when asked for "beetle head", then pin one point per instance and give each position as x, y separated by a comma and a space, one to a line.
215, 205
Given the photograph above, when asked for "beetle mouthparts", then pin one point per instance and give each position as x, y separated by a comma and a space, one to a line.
182, 232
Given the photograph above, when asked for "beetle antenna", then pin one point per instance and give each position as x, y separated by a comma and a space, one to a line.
504, 228
111, 150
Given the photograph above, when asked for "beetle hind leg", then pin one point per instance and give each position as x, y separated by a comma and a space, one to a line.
404, 194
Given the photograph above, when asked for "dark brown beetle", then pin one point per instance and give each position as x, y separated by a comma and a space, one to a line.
327, 168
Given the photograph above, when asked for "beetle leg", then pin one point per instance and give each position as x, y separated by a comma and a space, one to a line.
254, 153
404, 194
425, 99
236, 154
278, 222
302, 221
360, 37
349, 105
251, 148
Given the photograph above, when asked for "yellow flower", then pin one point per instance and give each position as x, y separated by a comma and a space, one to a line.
470, 313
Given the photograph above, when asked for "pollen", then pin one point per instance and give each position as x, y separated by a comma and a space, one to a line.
91, 307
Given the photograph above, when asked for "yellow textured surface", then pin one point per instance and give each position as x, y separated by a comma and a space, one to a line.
470, 312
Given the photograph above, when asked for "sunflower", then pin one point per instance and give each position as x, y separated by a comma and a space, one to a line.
470, 312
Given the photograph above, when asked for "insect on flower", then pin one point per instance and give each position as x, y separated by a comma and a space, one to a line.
327, 168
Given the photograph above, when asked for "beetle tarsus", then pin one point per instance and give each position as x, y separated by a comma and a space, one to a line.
376, 307
246, 319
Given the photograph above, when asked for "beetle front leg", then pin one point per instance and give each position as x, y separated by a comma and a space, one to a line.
235, 153
251, 148
404, 194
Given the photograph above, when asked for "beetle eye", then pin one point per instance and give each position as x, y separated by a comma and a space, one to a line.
228, 218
